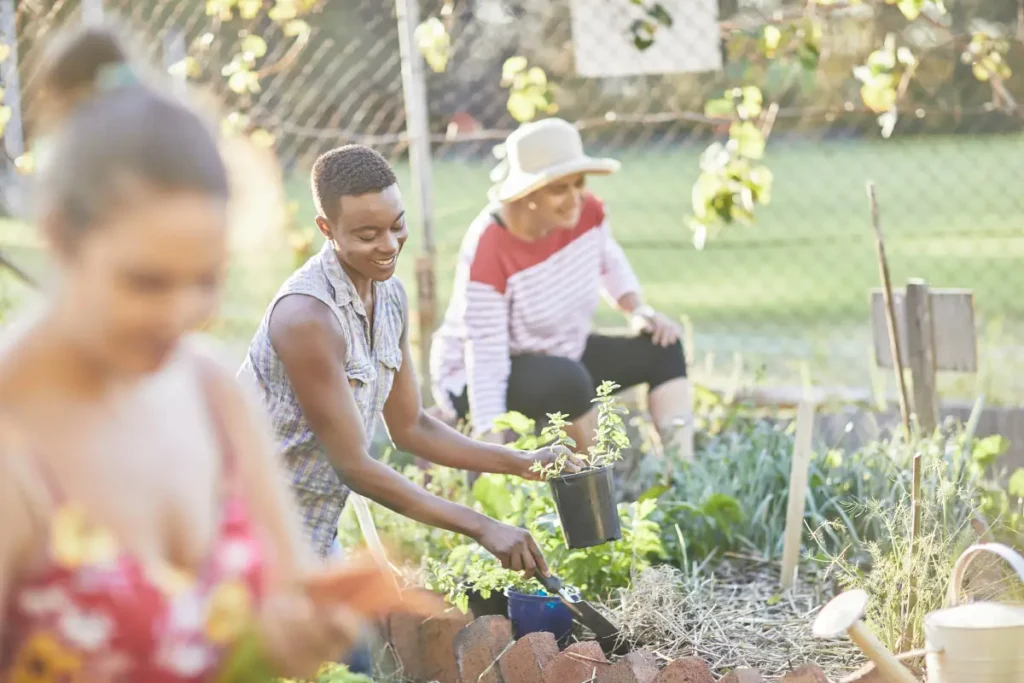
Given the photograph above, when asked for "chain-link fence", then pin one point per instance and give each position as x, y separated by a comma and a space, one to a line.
784, 298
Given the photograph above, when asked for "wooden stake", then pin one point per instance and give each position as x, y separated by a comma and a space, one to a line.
917, 309
894, 339
802, 450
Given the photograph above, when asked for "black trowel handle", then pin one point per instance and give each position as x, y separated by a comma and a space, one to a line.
552, 584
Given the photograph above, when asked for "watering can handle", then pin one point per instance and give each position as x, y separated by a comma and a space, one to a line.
960, 568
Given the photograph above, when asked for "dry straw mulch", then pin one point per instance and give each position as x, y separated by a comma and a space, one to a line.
735, 617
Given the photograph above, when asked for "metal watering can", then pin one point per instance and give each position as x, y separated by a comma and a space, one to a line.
979, 642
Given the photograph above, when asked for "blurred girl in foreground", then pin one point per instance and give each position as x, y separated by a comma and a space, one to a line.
145, 525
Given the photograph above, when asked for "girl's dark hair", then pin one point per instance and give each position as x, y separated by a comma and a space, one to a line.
113, 129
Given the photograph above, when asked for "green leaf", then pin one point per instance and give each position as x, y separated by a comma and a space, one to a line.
986, 451
720, 109
297, 28
249, 9
656, 492
752, 99
750, 142
494, 495
1016, 483
243, 82
658, 12
5, 52
911, 8
511, 67
254, 46
522, 107
772, 37
643, 33
536, 76
878, 98
283, 11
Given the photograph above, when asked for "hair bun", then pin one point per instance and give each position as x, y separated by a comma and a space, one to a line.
78, 59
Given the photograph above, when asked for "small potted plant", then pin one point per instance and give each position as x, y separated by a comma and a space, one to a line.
586, 499
484, 587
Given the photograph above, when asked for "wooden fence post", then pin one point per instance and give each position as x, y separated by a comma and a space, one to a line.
921, 354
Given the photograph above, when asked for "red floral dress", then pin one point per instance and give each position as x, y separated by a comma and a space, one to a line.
96, 614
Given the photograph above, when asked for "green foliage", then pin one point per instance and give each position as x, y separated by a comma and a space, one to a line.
469, 568
434, 43
953, 496
733, 497
912, 9
529, 92
247, 66
731, 183
609, 439
883, 79
987, 56
334, 673
643, 29
611, 435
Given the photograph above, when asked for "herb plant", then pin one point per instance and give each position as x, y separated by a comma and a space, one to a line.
611, 436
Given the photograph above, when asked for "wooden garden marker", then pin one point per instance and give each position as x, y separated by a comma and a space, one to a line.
938, 325
797, 492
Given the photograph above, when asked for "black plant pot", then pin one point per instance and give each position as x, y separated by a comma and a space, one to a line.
586, 506
496, 604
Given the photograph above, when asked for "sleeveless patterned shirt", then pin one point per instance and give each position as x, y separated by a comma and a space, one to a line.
370, 366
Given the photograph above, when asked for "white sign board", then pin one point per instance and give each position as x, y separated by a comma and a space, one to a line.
603, 43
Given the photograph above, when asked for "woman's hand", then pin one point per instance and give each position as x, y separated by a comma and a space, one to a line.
663, 330
298, 636
560, 457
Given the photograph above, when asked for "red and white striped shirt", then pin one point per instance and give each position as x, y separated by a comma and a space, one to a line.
512, 297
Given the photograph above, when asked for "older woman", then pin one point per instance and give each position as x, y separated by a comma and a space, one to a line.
533, 265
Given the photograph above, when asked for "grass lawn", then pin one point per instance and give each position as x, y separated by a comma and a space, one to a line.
791, 288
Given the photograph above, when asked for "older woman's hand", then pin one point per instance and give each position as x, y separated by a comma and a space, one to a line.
663, 330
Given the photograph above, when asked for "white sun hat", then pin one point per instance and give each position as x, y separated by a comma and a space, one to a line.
540, 152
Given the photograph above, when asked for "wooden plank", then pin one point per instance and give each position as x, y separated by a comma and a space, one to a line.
798, 474
919, 322
956, 344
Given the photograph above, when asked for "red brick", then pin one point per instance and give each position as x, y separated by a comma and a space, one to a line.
578, 663
743, 675
404, 636
808, 673
686, 670
525, 661
437, 644
636, 667
478, 647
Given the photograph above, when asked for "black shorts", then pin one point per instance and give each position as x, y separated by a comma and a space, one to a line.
538, 385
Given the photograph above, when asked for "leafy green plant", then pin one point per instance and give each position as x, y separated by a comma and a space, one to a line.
987, 57
731, 183
333, 673
610, 438
529, 92
478, 572
643, 29
884, 79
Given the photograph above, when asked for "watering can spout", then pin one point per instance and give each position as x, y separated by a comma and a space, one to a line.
842, 615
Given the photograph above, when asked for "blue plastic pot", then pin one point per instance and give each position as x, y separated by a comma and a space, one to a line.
543, 612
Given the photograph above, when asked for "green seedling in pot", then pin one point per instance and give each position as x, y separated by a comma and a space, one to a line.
481, 574
609, 441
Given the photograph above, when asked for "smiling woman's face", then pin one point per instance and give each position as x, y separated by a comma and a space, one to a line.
559, 203
369, 231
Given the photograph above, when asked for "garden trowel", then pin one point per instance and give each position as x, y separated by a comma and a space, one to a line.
583, 612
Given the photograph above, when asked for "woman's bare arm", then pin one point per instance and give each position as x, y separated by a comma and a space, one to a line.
17, 493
